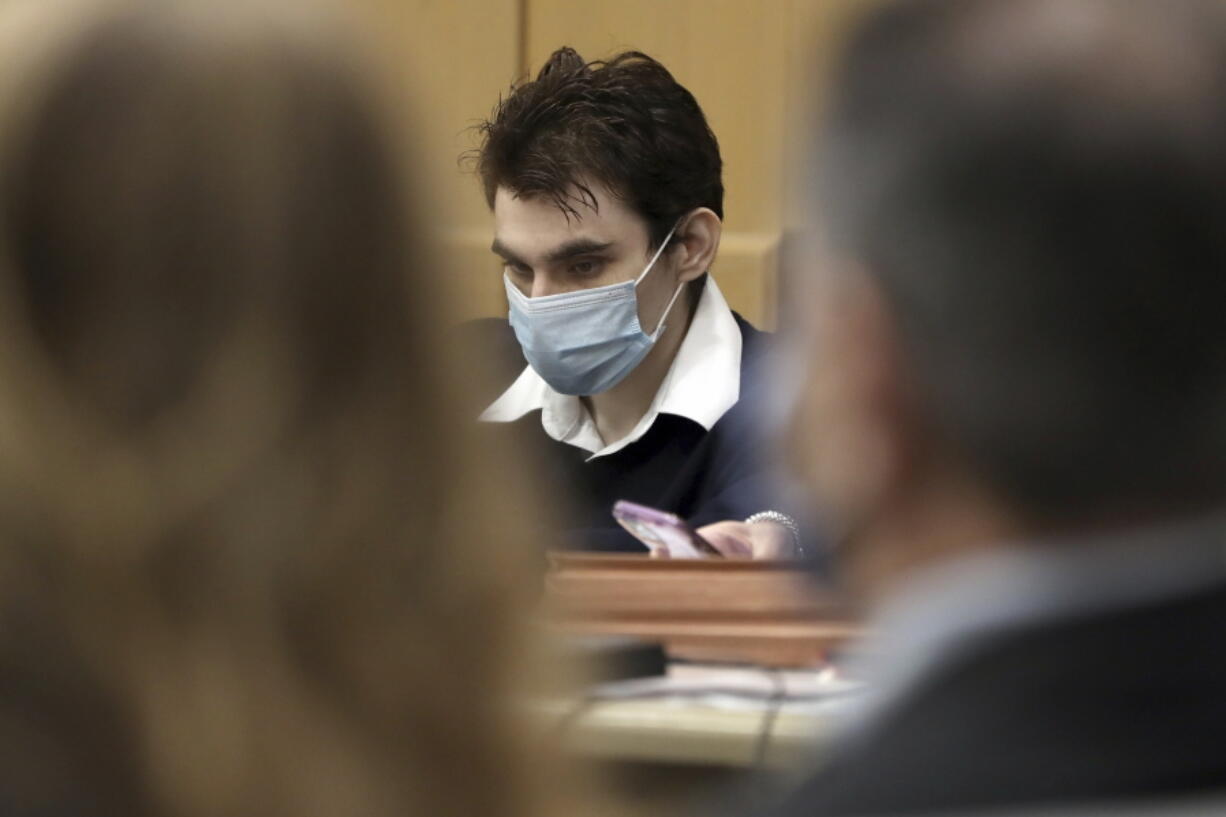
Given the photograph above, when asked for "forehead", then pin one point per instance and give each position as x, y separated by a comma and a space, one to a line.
534, 225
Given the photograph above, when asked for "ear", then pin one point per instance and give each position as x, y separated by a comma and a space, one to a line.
695, 244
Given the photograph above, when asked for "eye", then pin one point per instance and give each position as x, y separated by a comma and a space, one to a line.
587, 266
517, 271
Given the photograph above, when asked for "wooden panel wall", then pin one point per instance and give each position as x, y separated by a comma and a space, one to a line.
750, 63
450, 59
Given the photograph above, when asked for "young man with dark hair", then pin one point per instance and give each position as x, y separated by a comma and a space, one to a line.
604, 181
1016, 401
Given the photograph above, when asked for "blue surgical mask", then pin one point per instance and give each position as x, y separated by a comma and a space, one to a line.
585, 342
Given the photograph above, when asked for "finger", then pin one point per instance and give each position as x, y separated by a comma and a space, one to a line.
729, 544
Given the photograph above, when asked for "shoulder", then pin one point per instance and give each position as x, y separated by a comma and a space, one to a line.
751, 336
961, 723
748, 330
755, 344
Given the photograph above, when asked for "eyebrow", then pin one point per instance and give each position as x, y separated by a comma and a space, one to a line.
571, 249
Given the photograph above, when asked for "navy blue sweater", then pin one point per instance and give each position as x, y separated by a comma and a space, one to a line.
677, 466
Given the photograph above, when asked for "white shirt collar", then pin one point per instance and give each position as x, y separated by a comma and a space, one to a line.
703, 382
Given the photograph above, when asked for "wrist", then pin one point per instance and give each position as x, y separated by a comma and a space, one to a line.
783, 520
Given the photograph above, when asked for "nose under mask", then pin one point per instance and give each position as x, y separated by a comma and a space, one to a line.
585, 342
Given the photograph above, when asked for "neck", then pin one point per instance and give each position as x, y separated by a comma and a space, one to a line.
617, 411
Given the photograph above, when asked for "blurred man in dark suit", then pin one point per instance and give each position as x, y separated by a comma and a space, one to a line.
1014, 401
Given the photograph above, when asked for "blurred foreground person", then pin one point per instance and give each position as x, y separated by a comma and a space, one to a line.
1016, 395
240, 568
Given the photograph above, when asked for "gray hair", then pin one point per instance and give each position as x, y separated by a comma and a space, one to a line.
1039, 188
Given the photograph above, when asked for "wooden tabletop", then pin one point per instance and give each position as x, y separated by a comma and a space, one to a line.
733, 610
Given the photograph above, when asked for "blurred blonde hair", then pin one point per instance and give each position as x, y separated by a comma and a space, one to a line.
251, 560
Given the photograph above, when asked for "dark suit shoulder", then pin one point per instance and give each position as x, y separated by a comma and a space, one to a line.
1119, 705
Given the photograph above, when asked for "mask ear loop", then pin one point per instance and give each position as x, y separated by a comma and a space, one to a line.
660, 327
663, 244
659, 252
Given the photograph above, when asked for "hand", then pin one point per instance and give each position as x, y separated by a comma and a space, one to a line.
761, 540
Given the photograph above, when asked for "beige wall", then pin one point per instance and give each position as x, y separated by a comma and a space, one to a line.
748, 62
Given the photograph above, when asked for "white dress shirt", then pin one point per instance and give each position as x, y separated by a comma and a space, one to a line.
703, 382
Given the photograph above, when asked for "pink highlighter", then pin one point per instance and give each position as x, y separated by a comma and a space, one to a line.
662, 531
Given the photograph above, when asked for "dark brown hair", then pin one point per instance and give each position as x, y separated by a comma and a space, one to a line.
251, 559
624, 123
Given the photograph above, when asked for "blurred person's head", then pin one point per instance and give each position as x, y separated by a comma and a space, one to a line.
249, 562
1020, 299
594, 169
